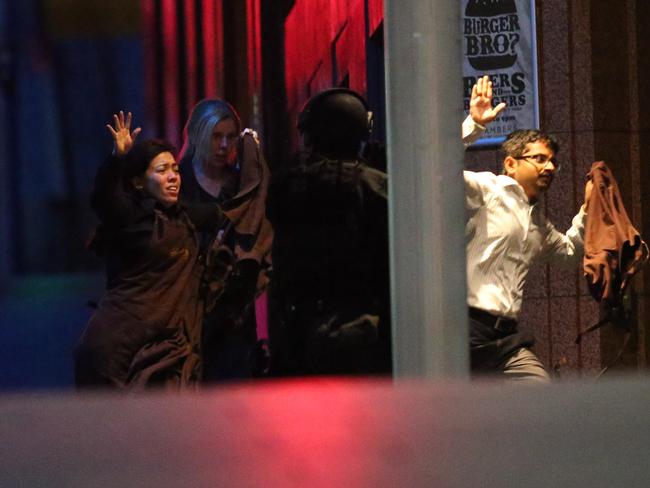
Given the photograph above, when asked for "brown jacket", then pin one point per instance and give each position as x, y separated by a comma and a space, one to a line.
614, 250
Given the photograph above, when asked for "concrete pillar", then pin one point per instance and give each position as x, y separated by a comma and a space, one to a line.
426, 192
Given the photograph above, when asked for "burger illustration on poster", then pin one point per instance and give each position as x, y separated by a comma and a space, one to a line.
497, 41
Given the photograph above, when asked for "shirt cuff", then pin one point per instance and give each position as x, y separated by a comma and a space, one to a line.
471, 131
579, 220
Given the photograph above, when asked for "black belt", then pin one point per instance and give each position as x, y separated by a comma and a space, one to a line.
497, 322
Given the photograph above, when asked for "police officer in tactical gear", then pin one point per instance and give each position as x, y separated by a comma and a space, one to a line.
330, 256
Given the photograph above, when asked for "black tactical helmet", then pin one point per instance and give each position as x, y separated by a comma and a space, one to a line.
336, 122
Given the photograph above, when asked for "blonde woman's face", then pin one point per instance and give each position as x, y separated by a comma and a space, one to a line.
224, 143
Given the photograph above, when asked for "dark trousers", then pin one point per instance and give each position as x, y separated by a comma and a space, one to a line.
498, 347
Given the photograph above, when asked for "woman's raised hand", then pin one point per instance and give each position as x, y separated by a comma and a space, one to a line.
123, 138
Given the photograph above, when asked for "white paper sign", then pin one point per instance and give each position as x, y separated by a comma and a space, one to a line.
499, 41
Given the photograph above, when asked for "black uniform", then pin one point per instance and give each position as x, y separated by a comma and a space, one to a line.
330, 285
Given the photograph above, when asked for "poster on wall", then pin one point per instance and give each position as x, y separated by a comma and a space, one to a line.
499, 41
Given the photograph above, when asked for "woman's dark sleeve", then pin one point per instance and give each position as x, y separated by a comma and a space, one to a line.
205, 216
109, 198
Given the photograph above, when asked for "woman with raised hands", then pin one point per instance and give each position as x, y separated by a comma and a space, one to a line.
146, 330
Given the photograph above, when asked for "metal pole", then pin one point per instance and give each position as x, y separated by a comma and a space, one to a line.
426, 192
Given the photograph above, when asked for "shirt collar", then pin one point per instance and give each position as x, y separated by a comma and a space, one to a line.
511, 184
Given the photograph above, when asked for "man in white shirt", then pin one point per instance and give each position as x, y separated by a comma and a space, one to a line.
506, 232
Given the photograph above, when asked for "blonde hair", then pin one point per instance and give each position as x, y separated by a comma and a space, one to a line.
197, 134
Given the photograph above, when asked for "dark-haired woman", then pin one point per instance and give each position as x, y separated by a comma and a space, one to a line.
146, 330
222, 165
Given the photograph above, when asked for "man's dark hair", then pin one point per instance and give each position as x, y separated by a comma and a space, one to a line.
515, 143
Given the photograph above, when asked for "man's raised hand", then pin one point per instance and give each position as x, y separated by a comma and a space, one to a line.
480, 105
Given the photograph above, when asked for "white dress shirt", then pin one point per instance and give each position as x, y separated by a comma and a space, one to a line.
505, 233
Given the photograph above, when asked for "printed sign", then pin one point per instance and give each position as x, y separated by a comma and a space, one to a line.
499, 41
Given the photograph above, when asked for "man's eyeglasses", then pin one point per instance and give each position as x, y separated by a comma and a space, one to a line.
540, 161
